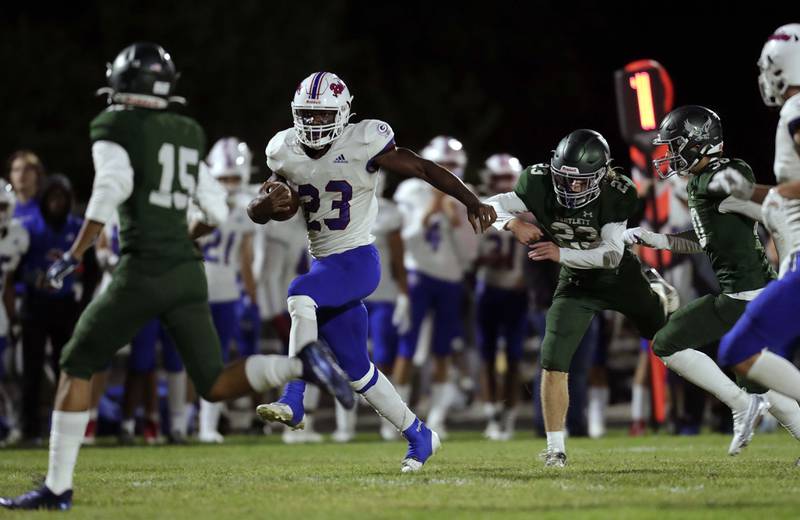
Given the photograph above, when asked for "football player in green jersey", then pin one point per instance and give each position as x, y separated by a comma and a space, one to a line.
724, 228
581, 206
148, 168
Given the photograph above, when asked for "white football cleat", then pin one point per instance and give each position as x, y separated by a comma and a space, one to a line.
211, 438
744, 423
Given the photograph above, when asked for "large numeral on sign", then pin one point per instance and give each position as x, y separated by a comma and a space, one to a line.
165, 197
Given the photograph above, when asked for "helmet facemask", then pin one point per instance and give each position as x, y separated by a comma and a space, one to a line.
318, 126
771, 83
678, 159
575, 189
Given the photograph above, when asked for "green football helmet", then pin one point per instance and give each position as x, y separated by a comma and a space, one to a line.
578, 165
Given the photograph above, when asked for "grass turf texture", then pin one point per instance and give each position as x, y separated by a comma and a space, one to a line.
651, 477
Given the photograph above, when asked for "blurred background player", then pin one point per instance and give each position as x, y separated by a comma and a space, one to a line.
48, 315
439, 248
228, 256
502, 308
13, 244
27, 175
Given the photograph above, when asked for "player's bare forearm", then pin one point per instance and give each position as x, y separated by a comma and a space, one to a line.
397, 252
789, 190
406, 163
760, 192
199, 229
86, 237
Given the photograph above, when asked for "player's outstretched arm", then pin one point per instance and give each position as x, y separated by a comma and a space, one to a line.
731, 182
408, 164
685, 242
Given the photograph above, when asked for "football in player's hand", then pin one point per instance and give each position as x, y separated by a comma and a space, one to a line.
275, 201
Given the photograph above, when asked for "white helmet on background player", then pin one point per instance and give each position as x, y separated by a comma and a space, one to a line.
230, 158
448, 152
501, 173
321, 109
8, 201
779, 64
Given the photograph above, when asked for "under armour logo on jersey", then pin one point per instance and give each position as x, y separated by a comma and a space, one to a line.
340, 159
587, 214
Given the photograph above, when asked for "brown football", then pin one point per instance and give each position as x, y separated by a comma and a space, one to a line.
268, 187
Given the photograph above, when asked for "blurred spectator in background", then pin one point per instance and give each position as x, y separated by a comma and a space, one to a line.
26, 174
46, 313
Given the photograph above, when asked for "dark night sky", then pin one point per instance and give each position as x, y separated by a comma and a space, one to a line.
496, 75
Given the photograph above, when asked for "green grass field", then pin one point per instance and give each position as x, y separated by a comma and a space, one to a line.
651, 477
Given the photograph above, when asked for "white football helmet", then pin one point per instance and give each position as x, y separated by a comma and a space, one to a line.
8, 201
447, 151
321, 109
779, 64
230, 157
501, 173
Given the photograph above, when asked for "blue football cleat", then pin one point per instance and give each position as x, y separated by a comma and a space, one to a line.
41, 498
320, 368
423, 443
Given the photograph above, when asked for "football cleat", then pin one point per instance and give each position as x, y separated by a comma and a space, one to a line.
211, 438
280, 412
423, 443
670, 299
554, 459
41, 498
320, 368
744, 423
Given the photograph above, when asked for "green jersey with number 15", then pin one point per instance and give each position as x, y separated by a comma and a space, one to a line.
165, 150
577, 228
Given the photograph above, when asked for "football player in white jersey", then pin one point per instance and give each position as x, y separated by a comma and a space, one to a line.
13, 244
228, 257
332, 166
502, 307
769, 325
439, 250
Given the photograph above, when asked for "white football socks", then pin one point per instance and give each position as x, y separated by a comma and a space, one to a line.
640, 398
264, 372
596, 412
701, 370
209, 418
66, 436
786, 410
383, 397
176, 401
303, 311
555, 442
441, 396
776, 373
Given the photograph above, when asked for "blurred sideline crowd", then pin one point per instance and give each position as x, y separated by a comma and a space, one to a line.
476, 322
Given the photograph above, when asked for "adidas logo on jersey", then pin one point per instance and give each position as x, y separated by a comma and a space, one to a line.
340, 159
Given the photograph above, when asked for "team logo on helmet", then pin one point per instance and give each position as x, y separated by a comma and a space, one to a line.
696, 132
336, 88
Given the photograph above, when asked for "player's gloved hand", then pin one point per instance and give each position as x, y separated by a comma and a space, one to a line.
58, 272
645, 237
731, 182
401, 317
